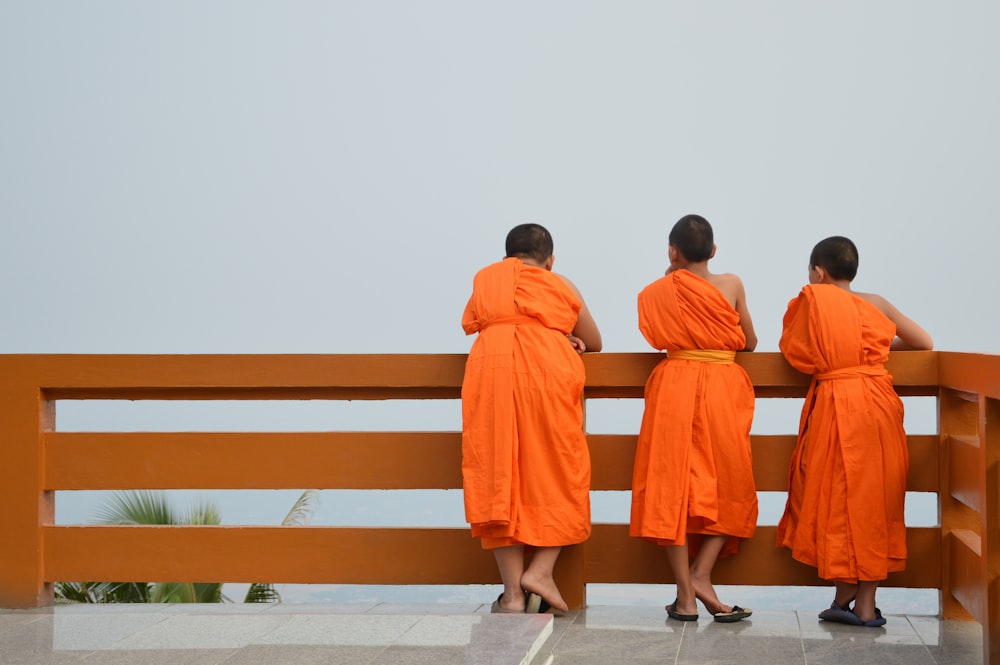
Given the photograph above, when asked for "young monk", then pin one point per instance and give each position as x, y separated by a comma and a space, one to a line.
847, 481
692, 485
525, 461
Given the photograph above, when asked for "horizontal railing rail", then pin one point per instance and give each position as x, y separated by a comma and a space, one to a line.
958, 463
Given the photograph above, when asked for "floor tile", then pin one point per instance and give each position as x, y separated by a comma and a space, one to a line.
87, 632
348, 630
862, 649
369, 633
200, 631
305, 655
951, 642
577, 644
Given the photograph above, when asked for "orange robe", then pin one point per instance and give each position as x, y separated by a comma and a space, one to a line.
847, 481
693, 470
525, 460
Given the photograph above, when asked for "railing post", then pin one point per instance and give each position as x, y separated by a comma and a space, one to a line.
957, 417
24, 505
571, 573
989, 437
570, 576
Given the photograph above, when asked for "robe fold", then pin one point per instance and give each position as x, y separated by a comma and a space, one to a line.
693, 470
847, 478
525, 460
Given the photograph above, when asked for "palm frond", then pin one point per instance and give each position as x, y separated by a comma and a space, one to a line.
149, 508
172, 592
122, 592
102, 592
204, 512
207, 592
72, 592
136, 507
303, 509
262, 593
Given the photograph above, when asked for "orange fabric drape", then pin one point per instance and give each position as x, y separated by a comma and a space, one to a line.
525, 461
693, 470
847, 480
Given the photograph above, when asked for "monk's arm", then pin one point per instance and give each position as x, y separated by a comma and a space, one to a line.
745, 321
586, 328
909, 335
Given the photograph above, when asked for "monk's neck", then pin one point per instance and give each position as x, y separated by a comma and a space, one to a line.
699, 269
532, 263
839, 283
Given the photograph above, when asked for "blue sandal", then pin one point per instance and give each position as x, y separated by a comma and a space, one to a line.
837, 614
878, 621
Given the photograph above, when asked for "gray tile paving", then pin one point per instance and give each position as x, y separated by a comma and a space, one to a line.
412, 634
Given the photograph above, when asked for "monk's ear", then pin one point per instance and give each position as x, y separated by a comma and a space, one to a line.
549, 262
712, 255
672, 254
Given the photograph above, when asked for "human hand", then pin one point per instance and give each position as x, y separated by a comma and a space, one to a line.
576, 343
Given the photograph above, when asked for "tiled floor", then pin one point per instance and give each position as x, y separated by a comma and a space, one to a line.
450, 633
644, 635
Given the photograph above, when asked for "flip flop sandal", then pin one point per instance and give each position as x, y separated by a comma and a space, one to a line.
538, 605
674, 614
836, 614
877, 622
736, 614
495, 608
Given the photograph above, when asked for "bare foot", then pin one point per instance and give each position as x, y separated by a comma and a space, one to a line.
515, 603
847, 593
866, 617
705, 592
546, 588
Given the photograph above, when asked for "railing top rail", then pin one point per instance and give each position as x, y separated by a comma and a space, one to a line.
972, 372
379, 376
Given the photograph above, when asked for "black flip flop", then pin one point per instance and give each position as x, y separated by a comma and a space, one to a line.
674, 614
736, 614
538, 605
496, 608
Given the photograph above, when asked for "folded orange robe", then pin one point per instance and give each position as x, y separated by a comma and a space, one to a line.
847, 481
525, 461
693, 470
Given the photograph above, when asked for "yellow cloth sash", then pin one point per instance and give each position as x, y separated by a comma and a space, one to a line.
512, 320
853, 372
715, 356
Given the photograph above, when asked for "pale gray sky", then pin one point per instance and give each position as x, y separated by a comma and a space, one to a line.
326, 177
187, 177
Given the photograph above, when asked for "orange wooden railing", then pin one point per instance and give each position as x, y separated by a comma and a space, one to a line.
959, 463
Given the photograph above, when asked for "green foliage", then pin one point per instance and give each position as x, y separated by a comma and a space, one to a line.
136, 507
151, 508
102, 592
262, 593
186, 592
303, 509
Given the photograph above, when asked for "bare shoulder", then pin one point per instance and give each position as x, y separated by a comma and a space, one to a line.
729, 278
909, 334
724, 279
730, 285
874, 298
